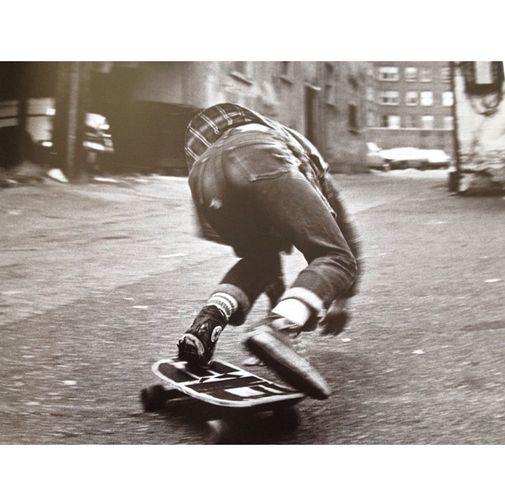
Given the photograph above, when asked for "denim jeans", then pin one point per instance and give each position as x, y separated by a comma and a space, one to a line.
248, 187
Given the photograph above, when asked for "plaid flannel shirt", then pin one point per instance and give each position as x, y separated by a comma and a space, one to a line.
208, 125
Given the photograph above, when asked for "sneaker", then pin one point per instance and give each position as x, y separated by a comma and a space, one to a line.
270, 341
197, 345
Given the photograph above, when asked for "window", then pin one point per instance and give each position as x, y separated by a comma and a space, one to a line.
445, 74
370, 95
8, 113
287, 70
390, 73
410, 73
240, 66
394, 121
411, 121
427, 121
447, 99
330, 90
389, 98
370, 119
241, 69
425, 75
411, 98
448, 122
353, 117
426, 98
390, 121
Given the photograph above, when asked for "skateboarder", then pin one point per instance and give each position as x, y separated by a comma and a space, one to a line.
263, 188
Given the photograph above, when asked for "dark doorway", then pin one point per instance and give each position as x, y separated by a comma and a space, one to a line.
149, 136
310, 114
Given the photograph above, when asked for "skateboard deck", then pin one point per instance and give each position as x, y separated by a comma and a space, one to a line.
225, 385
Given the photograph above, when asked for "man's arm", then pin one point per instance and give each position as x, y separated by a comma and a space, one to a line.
345, 224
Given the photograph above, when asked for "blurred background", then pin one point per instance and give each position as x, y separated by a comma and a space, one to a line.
85, 117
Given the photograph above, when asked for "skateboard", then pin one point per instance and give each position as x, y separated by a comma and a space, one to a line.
230, 397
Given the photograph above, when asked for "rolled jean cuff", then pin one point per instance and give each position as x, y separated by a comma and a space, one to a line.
308, 297
244, 306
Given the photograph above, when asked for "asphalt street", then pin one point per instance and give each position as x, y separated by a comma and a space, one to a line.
98, 281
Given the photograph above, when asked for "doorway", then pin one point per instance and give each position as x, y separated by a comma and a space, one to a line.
311, 114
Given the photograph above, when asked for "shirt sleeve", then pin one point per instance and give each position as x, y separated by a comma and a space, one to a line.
346, 225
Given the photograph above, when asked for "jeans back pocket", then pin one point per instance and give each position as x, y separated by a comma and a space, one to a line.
261, 160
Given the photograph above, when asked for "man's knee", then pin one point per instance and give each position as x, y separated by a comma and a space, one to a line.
351, 268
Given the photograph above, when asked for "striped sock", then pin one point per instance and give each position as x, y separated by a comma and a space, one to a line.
225, 302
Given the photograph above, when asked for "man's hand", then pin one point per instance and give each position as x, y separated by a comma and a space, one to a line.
336, 318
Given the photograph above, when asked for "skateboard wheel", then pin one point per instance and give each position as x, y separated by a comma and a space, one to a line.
153, 398
286, 419
220, 431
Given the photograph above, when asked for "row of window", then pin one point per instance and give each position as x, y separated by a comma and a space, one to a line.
411, 74
410, 121
412, 98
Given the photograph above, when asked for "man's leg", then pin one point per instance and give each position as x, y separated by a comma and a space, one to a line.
270, 194
230, 302
299, 215
224, 208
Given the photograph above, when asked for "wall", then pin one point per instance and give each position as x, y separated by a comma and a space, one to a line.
174, 82
329, 87
280, 90
344, 145
263, 88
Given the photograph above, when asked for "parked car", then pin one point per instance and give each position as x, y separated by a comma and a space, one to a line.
38, 133
97, 141
374, 157
97, 136
437, 158
405, 157
418, 158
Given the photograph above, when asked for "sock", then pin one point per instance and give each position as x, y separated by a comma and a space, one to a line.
294, 310
225, 302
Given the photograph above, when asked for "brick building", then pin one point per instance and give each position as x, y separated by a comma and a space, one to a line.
409, 104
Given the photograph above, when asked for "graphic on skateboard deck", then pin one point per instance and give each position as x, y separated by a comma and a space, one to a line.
224, 385
230, 396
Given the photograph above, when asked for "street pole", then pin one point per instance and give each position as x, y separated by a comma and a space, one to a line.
23, 75
454, 176
71, 105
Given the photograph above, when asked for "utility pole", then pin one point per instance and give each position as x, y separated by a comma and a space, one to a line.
22, 77
454, 176
71, 105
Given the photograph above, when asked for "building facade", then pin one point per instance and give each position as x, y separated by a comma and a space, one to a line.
325, 101
148, 104
409, 104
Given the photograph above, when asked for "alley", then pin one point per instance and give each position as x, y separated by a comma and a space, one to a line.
97, 281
